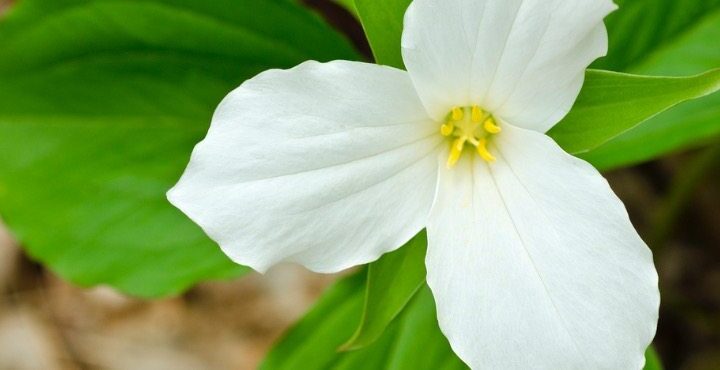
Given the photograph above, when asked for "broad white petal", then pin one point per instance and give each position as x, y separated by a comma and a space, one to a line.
534, 263
327, 165
523, 60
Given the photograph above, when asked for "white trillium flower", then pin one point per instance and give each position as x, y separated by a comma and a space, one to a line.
532, 259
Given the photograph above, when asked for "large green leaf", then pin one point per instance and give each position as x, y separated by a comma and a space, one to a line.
101, 102
383, 23
412, 342
391, 283
611, 103
690, 124
314, 341
639, 28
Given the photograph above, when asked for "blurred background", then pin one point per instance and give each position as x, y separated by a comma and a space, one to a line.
48, 323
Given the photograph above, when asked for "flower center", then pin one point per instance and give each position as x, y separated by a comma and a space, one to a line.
469, 125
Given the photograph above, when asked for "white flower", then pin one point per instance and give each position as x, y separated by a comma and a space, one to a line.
532, 259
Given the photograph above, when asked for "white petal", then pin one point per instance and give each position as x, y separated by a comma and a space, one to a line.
327, 165
523, 60
534, 263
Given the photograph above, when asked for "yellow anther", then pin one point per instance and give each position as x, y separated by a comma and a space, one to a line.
455, 152
491, 127
483, 151
447, 129
477, 114
457, 114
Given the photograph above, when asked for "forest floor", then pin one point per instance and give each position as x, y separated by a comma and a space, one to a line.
49, 324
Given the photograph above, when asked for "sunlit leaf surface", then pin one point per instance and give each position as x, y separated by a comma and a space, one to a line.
612, 103
694, 123
101, 103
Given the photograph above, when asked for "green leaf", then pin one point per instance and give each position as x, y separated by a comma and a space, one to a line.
313, 342
611, 103
391, 283
652, 360
641, 27
413, 341
349, 5
101, 102
690, 124
383, 23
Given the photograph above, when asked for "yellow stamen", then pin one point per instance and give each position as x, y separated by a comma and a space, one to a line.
483, 151
491, 127
447, 129
457, 114
460, 142
477, 114
469, 125
455, 152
